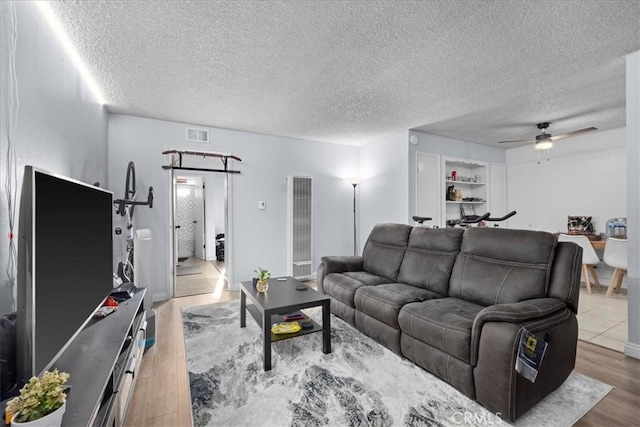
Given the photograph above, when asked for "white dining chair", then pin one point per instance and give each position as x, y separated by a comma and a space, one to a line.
589, 258
615, 255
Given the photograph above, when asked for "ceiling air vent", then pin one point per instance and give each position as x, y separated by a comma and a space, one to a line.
197, 135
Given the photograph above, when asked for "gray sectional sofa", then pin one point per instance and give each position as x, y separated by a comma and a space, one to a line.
454, 302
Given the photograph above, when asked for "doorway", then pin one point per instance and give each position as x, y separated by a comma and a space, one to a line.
199, 230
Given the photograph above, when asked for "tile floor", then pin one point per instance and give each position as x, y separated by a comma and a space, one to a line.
601, 320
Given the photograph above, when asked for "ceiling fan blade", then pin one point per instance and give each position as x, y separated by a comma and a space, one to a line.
572, 133
517, 140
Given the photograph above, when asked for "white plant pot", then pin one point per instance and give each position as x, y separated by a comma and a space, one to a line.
54, 419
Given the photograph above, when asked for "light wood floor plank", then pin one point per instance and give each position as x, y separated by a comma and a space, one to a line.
137, 410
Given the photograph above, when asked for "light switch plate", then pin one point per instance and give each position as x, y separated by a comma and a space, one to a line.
262, 205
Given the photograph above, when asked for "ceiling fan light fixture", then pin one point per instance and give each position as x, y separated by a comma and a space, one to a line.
543, 145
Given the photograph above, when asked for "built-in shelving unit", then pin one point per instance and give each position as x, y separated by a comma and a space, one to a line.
433, 177
471, 181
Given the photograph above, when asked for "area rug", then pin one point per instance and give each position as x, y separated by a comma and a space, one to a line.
187, 271
359, 383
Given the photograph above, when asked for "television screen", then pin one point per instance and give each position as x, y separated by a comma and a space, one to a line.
66, 263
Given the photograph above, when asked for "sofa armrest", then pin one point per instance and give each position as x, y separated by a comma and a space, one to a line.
498, 387
337, 264
516, 313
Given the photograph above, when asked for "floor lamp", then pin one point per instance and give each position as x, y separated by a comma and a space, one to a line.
354, 182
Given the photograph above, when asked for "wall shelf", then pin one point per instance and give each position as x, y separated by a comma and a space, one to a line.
463, 202
464, 182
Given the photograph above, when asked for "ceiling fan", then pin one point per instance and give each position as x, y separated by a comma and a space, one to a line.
545, 140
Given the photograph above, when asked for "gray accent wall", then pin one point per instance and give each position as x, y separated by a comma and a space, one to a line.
61, 127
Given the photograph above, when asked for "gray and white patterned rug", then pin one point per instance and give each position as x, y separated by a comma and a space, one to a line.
359, 383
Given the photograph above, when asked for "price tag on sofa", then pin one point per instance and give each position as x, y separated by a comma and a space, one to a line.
531, 350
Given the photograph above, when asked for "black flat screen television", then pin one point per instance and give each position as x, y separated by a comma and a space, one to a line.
64, 264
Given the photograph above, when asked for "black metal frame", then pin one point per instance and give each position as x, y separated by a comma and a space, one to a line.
223, 157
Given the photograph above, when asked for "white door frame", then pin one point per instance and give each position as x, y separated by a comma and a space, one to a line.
228, 238
201, 221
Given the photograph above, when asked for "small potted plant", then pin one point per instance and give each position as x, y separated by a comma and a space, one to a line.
263, 277
42, 401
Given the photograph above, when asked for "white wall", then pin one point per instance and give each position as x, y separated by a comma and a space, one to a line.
585, 175
450, 147
61, 128
384, 190
633, 202
259, 235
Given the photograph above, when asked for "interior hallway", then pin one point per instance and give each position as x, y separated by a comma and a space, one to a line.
209, 279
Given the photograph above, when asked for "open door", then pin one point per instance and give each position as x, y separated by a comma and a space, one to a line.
199, 221
200, 210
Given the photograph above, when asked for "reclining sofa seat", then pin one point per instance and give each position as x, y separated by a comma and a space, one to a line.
422, 274
455, 301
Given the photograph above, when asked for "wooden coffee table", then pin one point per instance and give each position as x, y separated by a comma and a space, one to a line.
282, 298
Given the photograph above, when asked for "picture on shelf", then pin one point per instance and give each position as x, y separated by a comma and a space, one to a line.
466, 209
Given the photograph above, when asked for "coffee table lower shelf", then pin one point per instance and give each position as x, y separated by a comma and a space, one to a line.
276, 318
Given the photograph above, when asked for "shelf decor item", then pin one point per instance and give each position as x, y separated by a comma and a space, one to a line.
285, 328
580, 224
42, 401
263, 279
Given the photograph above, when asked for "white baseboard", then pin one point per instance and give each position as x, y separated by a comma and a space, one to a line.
632, 350
159, 297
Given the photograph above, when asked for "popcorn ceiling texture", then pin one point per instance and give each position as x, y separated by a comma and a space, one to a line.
351, 72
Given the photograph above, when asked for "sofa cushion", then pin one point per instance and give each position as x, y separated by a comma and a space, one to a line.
383, 302
384, 250
429, 258
366, 278
443, 323
497, 266
343, 286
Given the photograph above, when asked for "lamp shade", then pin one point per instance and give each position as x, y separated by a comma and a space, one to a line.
543, 145
354, 180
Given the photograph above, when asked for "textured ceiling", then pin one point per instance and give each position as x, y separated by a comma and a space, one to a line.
350, 72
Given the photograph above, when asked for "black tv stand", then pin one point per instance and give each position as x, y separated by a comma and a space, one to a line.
102, 361
124, 291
